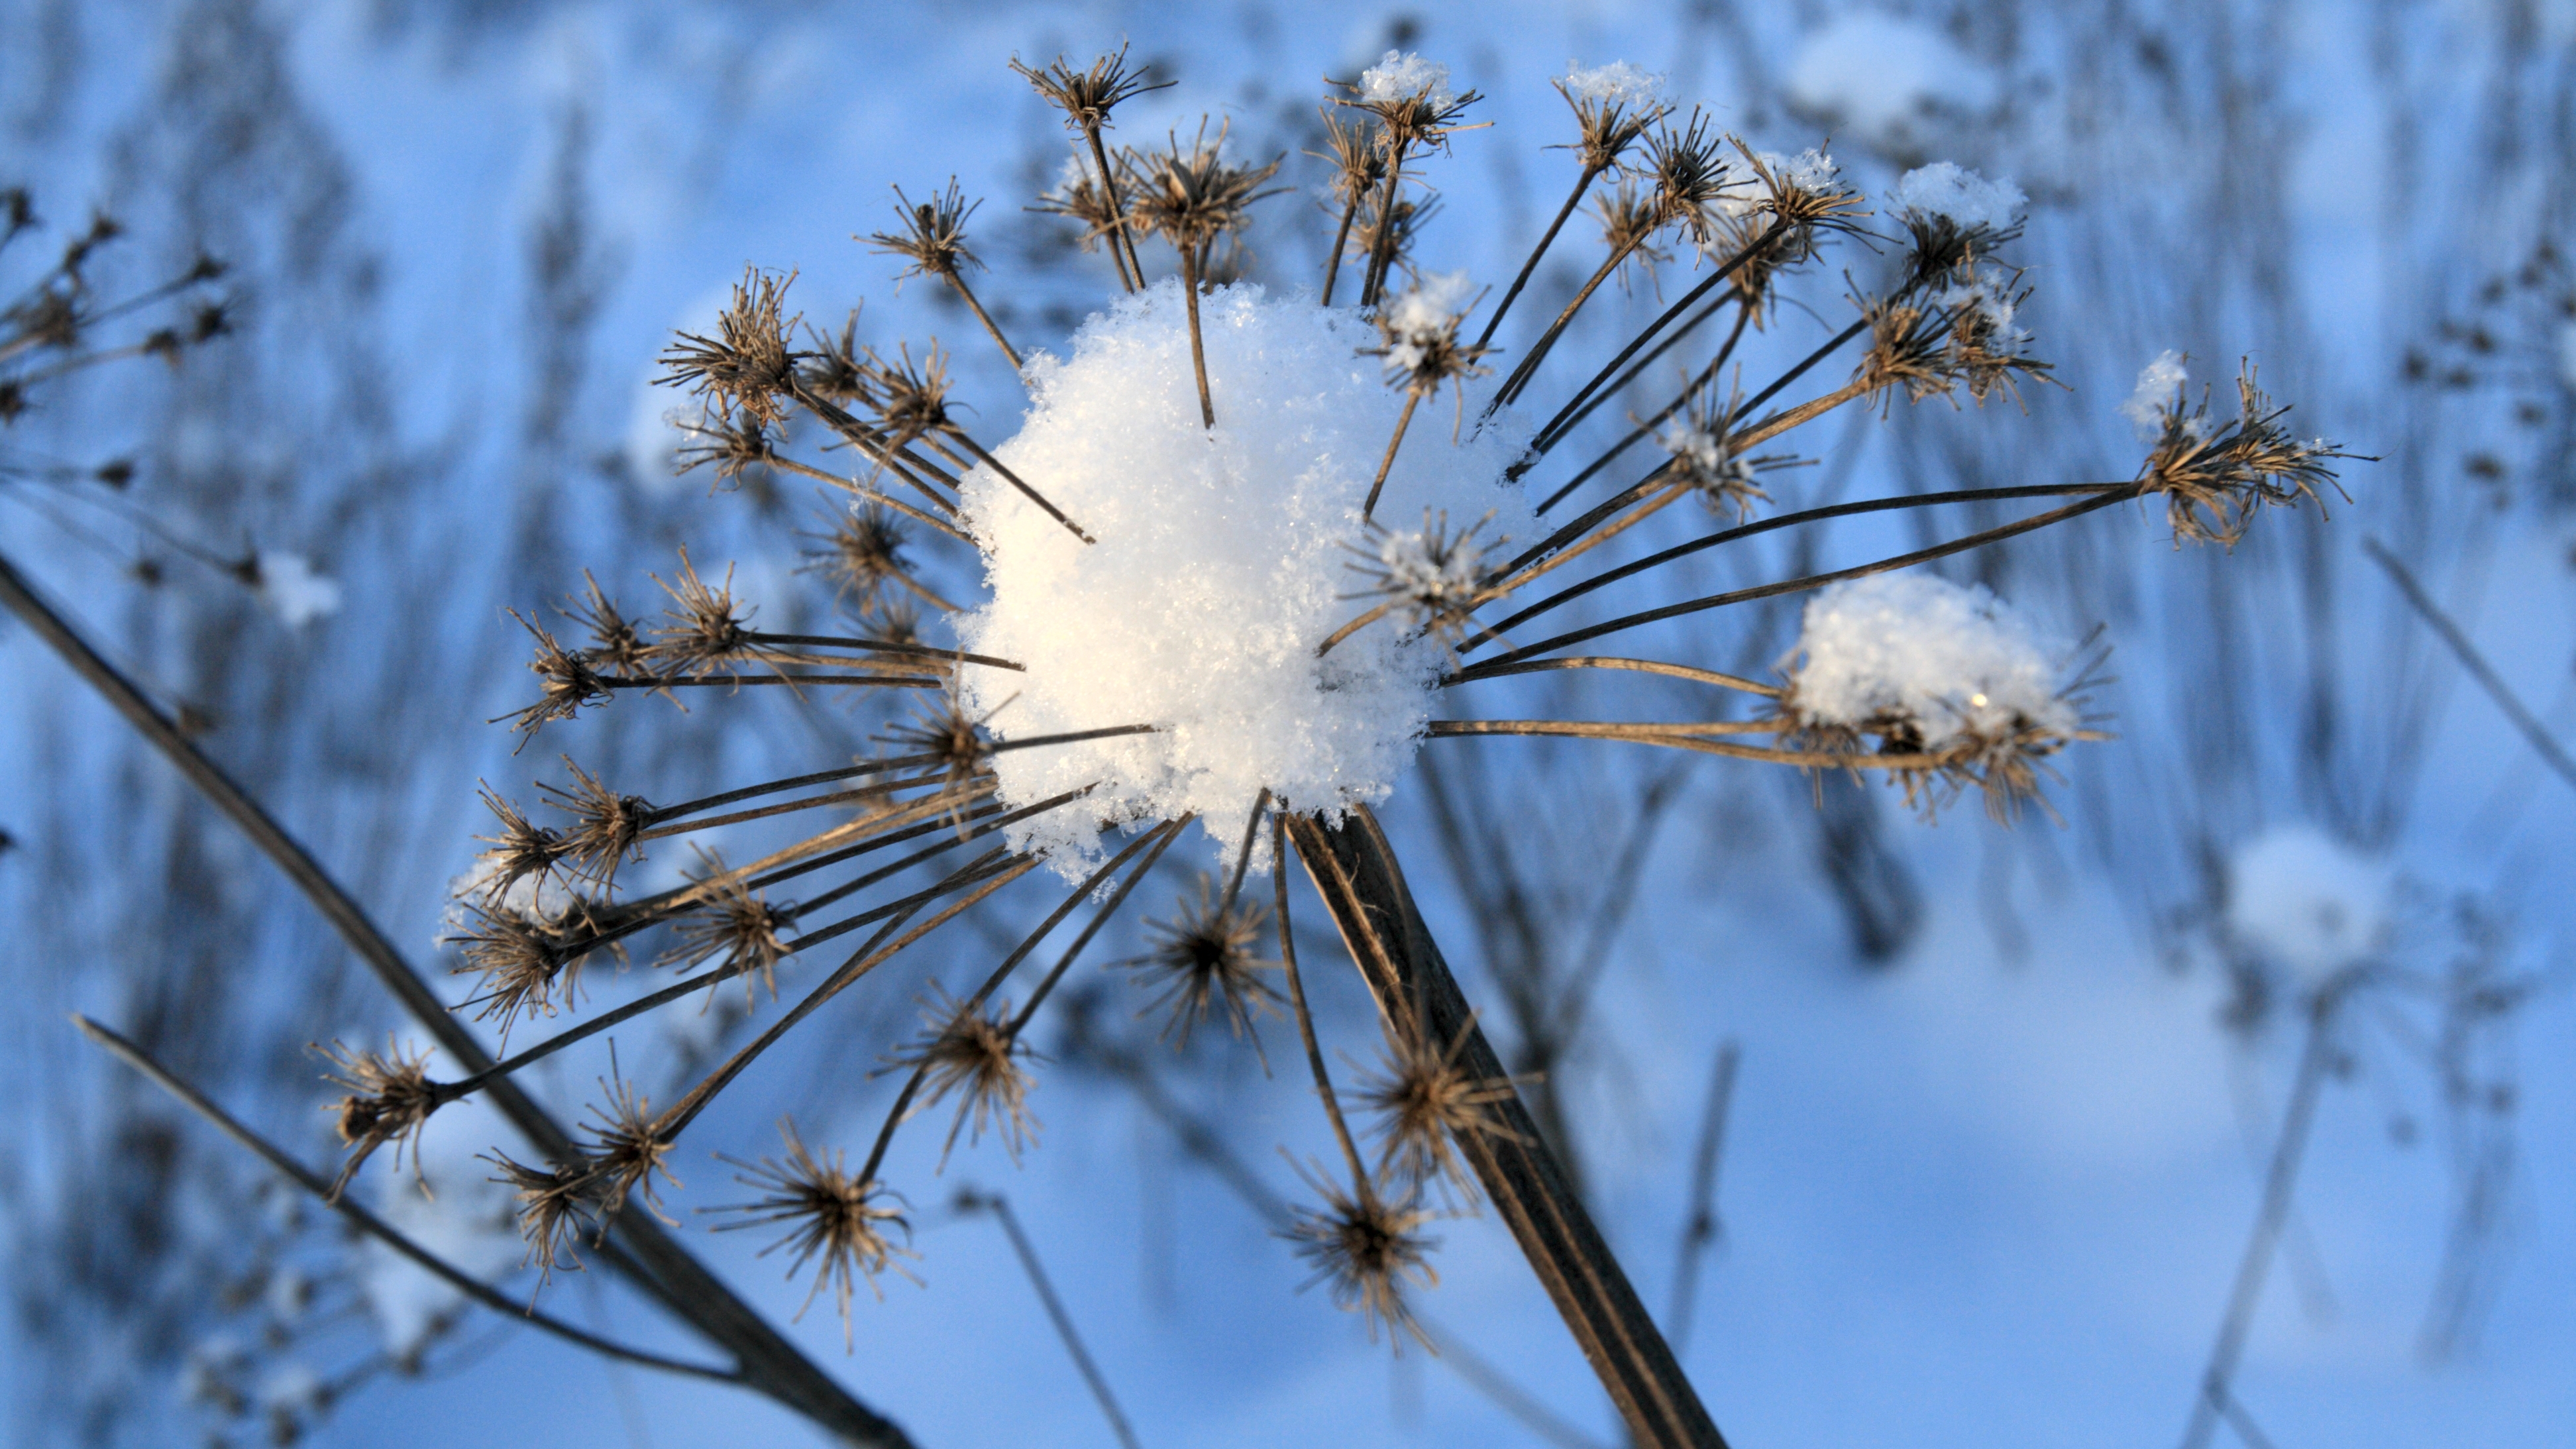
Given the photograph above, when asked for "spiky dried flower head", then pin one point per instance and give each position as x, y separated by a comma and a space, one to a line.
522, 850
831, 371
704, 629
1203, 961
1804, 193
1687, 165
1909, 346
1358, 157
1411, 99
911, 400
832, 1219
1193, 196
1434, 577
627, 1149
1418, 334
733, 445
862, 554
747, 366
1372, 231
1087, 96
733, 923
605, 826
2216, 478
1614, 106
615, 642
1428, 1104
390, 1099
1080, 196
567, 683
1987, 349
524, 956
1953, 216
934, 234
1631, 217
965, 1050
555, 1205
948, 738
1364, 1246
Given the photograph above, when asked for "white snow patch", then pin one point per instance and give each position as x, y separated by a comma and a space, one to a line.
2160, 385
2306, 903
1946, 188
1223, 561
1421, 318
1809, 170
293, 591
1955, 658
1402, 76
1615, 84
1885, 80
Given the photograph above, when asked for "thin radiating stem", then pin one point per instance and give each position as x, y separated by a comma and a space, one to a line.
1403, 420
1546, 239
1000, 1208
958, 280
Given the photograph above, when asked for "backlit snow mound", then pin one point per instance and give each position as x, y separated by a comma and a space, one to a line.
1953, 658
1224, 558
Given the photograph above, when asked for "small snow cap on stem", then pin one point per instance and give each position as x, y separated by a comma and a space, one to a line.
1614, 105
1420, 332
1953, 213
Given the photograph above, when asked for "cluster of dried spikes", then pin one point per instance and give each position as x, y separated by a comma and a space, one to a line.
548, 897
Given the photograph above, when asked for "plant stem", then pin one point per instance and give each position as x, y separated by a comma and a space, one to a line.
1573, 200
1402, 421
1198, 348
958, 281
1119, 235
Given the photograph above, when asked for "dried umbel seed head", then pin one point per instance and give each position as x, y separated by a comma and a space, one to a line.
1371, 230
1703, 459
748, 366
1805, 194
556, 1205
523, 957
1630, 219
627, 1149
390, 1099
1688, 168
733, 445
2216, 479
911, 402
1359, 159
946, 738
1080, 197
615, 643
1202, 958
977, 1055
1428, 1103
934, 234
1411, 100
1909, 346
1614, 106
1986, 348
831, 1218
832, 371
1435, 578
862, 553
1418, 334
706, 629
1087, 96
521, 849
569, 683
605, 825
1192, 197
737, 925
1364, 1247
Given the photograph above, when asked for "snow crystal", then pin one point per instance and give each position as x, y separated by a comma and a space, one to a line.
1954, 658
1946, 188
1809, 170
1615, 84
1989, 295
1402, 75
1224, 560
2160, 385
293, 591
2303, 902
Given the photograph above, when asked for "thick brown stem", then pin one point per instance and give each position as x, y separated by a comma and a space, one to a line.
1119, 235
1362, 884
1341, 239
1198, 349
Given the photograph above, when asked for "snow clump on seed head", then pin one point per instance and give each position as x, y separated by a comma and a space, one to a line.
1970, 201
1223, 561
2160, 389
1618, 83
1402, 75
1956, 661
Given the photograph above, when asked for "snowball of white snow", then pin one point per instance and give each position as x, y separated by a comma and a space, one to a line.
2160, 385
1809, 170
1402, 75
293, 591
1223, 561
1615, 84
2306, 903
1884, 79
1946, 188
1957, 659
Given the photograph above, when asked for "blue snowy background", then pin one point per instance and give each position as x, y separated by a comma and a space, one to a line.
2004, 1098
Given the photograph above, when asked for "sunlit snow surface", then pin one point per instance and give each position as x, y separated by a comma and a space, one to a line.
1225, 556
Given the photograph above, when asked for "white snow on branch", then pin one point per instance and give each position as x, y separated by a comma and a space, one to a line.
1422, 318
1969, 200
1402, 76
2299, 900
1955, 659
293, 591
2160, 385
1616, 84
1222, 564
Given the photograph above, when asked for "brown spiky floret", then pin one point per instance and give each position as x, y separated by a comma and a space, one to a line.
933, 238
1364, 1246
832, 1219
524, 957
911, 400
862, 553
569, 683
950, 735
1705, 459
736, 924
2216, 479
521, 849
1609, 125
1081, 198
1203, 959
615, 643
832, 369
1425, 356
706, 630
975, 1054
748, 366
1369, 230
732, 444
1357, 154
1428, 1104
1631, 216
605, 825
627, 1150
1436, 577
390, 1099
1807, 209
1418, 122
1688, 168
1909, 346
1087, 96
556, 1204
1193, 196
